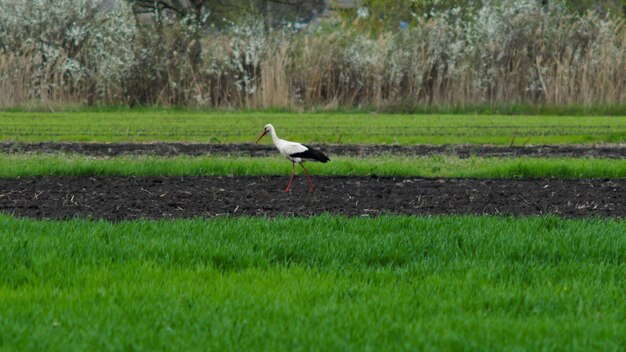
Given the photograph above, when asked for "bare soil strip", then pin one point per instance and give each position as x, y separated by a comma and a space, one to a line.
258, 150
120, 198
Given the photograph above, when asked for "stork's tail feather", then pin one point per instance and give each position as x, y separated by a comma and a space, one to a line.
323, 158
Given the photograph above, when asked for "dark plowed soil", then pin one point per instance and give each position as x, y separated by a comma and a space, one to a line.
249, 149
118, 198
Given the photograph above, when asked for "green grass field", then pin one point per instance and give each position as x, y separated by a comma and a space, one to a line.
228, 127
322, 283
16, 165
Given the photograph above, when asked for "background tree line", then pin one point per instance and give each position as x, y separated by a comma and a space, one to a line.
382, 13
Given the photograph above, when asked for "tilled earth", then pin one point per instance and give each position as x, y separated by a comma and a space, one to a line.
119, 198
260, 150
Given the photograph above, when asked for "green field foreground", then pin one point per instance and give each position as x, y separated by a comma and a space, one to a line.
20, 165
354, 128
321, 283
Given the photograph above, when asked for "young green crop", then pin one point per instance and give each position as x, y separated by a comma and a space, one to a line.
327, 283
14, 165
358, 128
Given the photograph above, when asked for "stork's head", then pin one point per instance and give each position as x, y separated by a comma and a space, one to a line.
267, 129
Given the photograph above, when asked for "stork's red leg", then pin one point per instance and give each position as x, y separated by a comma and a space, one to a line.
306, 172
293, 173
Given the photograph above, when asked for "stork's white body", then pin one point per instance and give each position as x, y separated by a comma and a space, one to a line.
295, 152
288, 148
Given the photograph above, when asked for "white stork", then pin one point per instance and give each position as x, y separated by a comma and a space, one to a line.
296, 153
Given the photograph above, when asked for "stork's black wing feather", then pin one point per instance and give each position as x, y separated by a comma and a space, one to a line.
311, 154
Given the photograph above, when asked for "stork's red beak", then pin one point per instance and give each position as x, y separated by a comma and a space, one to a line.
261, 136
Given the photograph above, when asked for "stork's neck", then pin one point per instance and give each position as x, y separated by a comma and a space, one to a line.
275, 137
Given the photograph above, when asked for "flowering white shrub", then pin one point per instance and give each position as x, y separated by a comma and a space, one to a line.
247, 45
89, 41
